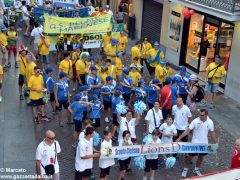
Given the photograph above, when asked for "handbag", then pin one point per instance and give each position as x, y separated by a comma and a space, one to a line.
210, 78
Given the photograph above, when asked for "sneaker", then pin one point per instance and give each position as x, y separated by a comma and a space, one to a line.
9, 64
44, 118
197, 172
106, 119
184, 172
0, 98
16, 65
74, 145
21, 97
36, 120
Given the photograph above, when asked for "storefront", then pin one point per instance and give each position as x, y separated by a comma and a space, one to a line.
203, 38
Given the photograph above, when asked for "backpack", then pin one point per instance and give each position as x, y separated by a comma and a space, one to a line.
199, 96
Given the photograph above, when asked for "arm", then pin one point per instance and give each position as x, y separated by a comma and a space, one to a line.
138, 119
185, 133
192, 92
119, 119
55, 94
70, 109
213, 136
38, 169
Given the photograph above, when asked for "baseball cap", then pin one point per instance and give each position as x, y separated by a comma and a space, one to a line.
78, 46
133, 66
95, 97
119, 88
141, 81
155, 81
49, 69
168, 79
83, 88
156, 43
84, 55
163, 61
94, 68
193, 77
109, 78
114, 41
62, 74
126, 71
183, 69
77, 97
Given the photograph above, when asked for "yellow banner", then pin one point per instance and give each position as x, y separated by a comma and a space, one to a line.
57, 25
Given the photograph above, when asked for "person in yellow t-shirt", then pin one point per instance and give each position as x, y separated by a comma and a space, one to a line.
135, 52
106, 39
98, 65
43, 46
168, 70
82, 68
119, 65
152, 59
1, 81
144, 47
136, 62
111, 50
122, 42
104, 75
135, 75
75, 57
111, 68
36, 87
66, 65
215, 71
160, 71
30, 65
3, 46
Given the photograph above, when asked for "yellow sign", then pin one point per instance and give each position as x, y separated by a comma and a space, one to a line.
57, 25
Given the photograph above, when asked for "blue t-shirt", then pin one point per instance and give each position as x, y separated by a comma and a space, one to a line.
107, 88
84, 97
94, 80
174, 92
151, 94
95, 112
77, 109
128, 81
182, 83
116, 101
49, 82
140, 94
62, 93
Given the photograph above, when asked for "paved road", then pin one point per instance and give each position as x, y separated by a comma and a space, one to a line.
19, 137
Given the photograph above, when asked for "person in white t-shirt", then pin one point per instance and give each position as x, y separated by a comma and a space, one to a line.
154, 118
36, 36
46, 155
200, 126
86, 124
106, 163
26, 17
84, 156
151, 164
182, 117
168, 130
128, 123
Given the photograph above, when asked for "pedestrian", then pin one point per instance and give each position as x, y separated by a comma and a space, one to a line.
127, 85
122, 42
84, 98
154, 118
43, 46
1, 81
26, 17
135, 52
136, 63
95, 111
168, 130
104, 75
182, 117
111, 50
30, 65
62, 98
160, 71
106, 163
36, 87
112, 69
200, 128
75, 57
135, 75
144, 47
169, 70
66, 65
85, 124
47, 153
60, 47
151, 163
166, 98
174, 90
94, 81
36, 36
3, 46
82, 68
236, 157
106, 40
84, 156
140, 91
124, 162
119, 66
152, 92
128, 123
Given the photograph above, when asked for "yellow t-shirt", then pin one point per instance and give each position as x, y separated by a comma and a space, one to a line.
112, 71
136, 76
169, 72
81, 67
99, 72
23, 65
145, 48
30, 70
160, 73
119, 66
1, 73
35, 82
75, 57
66, 66
103, 78
152, 53
219, 72
3, 39
135, 52
106, 40
44, 50
122, 40
111, 50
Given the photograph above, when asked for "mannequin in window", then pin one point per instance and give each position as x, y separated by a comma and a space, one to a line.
205, 48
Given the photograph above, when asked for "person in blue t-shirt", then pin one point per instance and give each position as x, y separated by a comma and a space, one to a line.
174, 90
95, 111
107, 90
49, 84
152, 92
183, 79
62, 97
127, 85
94, 81
140, 91
76, 109
84, 98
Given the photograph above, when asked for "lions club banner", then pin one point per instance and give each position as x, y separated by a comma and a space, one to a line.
168, 148
57, 25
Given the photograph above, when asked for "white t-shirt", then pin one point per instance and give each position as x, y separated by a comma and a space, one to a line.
39, 2
123, 127
46, 154
167, 130
106, 162
149, 117
25, 11
200, 130
84, 148
36, 33
181, 116
151, 141
122, 143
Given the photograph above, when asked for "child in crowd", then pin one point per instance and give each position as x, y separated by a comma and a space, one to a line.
85, 124
140, 91
111, 68
119, 65
127, 84
136, 63
152, 92
135, 75
84, 97
174, 90
169, 70
168, 130
95, 111
104, 74
1, 81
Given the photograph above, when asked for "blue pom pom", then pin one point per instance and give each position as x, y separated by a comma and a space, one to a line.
121, 108
140, 107
96, 139
146, 138
139, 162
170, 162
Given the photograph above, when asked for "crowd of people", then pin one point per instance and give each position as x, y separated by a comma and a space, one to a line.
90, 87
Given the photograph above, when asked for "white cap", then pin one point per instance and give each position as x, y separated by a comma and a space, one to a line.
193, 77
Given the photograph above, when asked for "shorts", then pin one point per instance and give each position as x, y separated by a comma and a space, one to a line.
95, 122
126, 97
85, 113
104, 172
37, 102
44, 59
21, 79
78, 125
63, 103
179, 132
35, 47
52, 97
197, 154
151, 164
124, 164
27, 22
107, 104
13, 49
212, 87
115, 119
80, 174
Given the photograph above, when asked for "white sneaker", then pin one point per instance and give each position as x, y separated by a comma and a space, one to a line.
106, 119
184, 172
0, 98
197, 172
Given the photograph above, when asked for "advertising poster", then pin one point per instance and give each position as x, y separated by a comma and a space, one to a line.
175, 28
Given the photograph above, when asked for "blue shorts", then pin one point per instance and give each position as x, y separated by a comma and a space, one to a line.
212, 87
